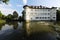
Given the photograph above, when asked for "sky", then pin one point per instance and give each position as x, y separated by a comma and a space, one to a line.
17, 5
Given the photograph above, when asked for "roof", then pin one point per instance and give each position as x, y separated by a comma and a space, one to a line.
38, 7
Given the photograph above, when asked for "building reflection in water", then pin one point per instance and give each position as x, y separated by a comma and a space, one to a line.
36, 27
28, 28
15, 25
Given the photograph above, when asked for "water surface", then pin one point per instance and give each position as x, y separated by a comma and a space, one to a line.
20, 30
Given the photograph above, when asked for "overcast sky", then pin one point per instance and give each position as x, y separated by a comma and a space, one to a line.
17, 5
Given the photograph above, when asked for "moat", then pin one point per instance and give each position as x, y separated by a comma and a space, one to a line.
16, 31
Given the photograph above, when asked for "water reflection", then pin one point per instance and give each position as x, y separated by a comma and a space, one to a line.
37, 27
18, 31
10, 26
15, 24
6, 27
39, 31
1, 25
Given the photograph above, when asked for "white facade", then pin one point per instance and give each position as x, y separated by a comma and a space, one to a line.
39, 13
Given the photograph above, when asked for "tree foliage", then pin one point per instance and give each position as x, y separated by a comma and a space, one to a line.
4, 1
58, 15
20, 18
15, 14
0, 15
9, 16
23, 15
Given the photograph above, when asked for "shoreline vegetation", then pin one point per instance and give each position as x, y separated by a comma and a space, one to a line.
10, 17
2, 21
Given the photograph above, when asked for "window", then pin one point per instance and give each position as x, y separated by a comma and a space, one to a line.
48, 17
40, 17
37, 17
45, 17
48, 9
48, 14
53, 17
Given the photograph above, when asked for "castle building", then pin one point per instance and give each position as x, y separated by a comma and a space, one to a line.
41, 13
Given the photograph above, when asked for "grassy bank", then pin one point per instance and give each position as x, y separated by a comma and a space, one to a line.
2, 21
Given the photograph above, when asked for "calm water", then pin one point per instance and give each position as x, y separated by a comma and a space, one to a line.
16, 31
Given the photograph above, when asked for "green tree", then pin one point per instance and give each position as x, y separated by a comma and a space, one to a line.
23, 15
0, 15
15, 15
20, 18
9, 17
3, 16
58, 15
4, 1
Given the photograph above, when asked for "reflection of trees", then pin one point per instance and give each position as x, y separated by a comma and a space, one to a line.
24, 25
23, 15
4, 1
1, 26
20, 18
15, 15
15, 24
58, 15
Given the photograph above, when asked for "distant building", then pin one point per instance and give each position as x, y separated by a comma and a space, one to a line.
32, 13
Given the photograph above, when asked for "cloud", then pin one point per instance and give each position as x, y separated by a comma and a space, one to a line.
4, 5
19, 5
10, 5
6, 11
25, 2
1, 5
